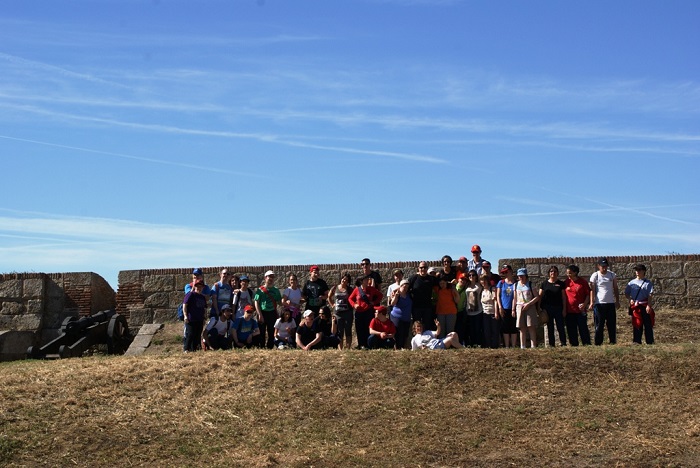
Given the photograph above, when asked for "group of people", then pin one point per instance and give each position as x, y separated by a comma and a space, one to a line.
456, 305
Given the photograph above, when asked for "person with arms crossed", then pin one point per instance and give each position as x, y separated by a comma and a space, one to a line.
605, 300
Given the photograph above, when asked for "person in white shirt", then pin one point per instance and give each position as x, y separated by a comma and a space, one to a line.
605, 300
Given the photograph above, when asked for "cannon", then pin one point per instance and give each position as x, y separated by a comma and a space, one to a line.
79, 334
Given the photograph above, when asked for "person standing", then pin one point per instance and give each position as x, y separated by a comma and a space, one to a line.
244, 296
577, 298
476, 263
526, 309
447, 273
505, 294
552, 299
398, 277
421, 287
315, 291
292, 298
446, 307
605, 300
486, 267
475, 314
194, 307
375, 277
342, 310
401, 313
363, 299
222, 293
489, 304
639, 293
266, 300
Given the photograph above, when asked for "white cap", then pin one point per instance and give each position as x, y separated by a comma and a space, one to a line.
269, 272
308, 312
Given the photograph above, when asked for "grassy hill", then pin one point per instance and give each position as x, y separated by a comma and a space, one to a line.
617, 405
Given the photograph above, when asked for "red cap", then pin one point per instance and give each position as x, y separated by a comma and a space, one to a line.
381, 309
462, 259
476, 248
249, 308
314, 267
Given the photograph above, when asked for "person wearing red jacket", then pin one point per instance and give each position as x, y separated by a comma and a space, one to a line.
363, 299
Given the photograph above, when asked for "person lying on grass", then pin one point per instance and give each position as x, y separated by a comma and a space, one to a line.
428, 339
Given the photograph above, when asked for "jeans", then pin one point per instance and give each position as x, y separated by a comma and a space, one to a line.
578, 324
218, 341
374, 342
362, 320
605, 313
192, 341
403, 328
492, 331
556, 318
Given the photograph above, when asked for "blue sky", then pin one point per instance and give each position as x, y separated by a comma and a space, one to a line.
173, 133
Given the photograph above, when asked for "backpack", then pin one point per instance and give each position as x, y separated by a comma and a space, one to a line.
180, 312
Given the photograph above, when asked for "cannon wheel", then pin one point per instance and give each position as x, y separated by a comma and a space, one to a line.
118, 336
66, 321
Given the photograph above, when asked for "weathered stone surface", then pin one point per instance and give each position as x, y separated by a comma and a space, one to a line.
26, 322
129, 276
160, 299
666, 301
78, 279
11, 289
14, 344
533, 269
35, 306
693, 287
150, 328
175, 299
667, 269
33, 288
165, 315
12, 308
140, 316
161, 283
669, 286
692, 269
625, 273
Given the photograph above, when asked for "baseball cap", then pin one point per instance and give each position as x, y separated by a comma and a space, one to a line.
249, 308
269, 273
313, 267
381, 309
308, 312
244, 278
402, 282
476, 248
603, 261
197, 271
522, 271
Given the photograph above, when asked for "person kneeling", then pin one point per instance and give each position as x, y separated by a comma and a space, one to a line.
428, 339
308, 335
217, 334
381, 330
245, 328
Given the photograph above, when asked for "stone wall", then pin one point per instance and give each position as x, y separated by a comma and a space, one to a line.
676, 278
34, 305
152, 296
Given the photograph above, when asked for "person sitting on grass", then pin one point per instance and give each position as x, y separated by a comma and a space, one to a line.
217, 334
428, 339
245, 328
381, 330
285, 330
308, 337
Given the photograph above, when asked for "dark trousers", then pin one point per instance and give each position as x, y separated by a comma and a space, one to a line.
192, 341
218, 341
267, 329
492, 331
426, 315
648, 329
578, 324
556, 319
374, 342
476, 329
362, 320
403, 328
605, 314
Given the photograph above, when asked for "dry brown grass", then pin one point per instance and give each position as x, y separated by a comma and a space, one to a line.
596, 406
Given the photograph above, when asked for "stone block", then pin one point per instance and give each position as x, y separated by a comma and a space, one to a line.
692, 269
33, 288
669, 286
138, 317
78, 279
150, 328
159, 299
692, 302
159, 283
693, 287
175, 298
129, 276
26, 322
667, 269
14, 344
11, 289
141, 341
534, 269
165, 315
12, 308
35, 306
625, 273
